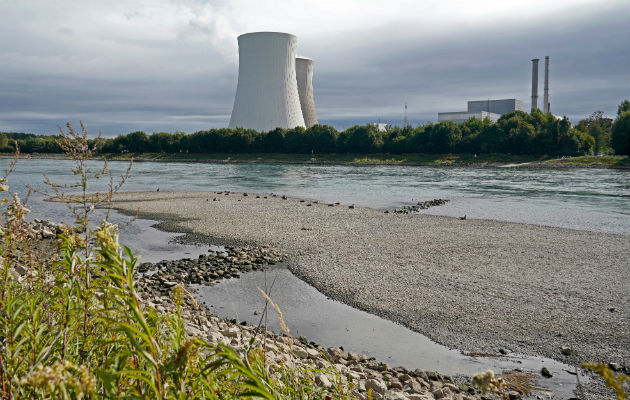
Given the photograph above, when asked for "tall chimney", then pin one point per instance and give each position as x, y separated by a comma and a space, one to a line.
546, 95
534, 83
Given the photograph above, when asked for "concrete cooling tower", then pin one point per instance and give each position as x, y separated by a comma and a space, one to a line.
267, 91
304, 74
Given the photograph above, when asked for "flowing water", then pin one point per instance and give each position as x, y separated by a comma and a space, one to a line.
587, 199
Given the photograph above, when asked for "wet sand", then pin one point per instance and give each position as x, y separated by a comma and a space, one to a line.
475, 285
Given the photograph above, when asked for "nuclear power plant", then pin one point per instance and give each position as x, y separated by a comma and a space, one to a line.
493, 109
275, 89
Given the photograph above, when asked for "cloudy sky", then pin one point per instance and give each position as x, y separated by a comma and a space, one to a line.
160, 65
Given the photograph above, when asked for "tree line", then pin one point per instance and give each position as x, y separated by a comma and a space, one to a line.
517, 132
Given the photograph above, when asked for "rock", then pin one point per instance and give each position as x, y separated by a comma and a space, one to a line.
312, 353
614, 366
566, 350
322, 380
416, 396
377, 386
451, 387
545, 372
395, 395
47, 233
20, 269
440, 393
300, 352
514, 395
231, 332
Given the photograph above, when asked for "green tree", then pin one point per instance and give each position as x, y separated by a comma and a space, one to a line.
621, 134
363, 139
295, 140
322, 138
444, 136
273, 141
4, 142
623, 107
601, 138
137, 142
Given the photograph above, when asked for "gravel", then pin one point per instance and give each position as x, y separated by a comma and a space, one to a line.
475, 285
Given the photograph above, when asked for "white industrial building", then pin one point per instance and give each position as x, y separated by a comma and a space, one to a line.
481, 109
275, 89
463, 116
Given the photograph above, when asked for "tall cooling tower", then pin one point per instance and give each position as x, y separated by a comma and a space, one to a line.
267, 93
304, 74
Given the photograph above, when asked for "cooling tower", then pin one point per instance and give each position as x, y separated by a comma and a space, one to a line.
267, 93
304, 74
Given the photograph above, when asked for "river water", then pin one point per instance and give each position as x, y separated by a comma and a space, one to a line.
586, 199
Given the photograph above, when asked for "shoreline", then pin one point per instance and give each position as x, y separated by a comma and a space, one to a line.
601, 344
372, 160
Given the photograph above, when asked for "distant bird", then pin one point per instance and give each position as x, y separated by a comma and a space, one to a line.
158, 189
462, 218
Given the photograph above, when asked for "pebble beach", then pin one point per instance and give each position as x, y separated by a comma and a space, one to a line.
475, 285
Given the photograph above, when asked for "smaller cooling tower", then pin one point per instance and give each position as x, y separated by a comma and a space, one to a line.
304, 75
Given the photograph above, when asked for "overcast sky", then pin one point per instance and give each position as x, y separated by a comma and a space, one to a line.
160, 65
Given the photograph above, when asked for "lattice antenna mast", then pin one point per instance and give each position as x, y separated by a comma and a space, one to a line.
406, 120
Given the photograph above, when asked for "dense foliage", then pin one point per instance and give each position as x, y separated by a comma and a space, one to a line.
514, 133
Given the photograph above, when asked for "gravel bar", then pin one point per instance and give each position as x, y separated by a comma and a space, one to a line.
475, 285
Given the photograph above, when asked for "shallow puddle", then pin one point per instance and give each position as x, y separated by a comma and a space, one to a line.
309, 313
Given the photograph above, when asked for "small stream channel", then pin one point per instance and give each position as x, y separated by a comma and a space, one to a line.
309, 313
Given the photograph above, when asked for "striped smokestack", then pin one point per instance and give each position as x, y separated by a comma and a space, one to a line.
546, 94
534, 83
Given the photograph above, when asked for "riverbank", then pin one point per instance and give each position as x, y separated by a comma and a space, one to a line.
460, 160
478, 286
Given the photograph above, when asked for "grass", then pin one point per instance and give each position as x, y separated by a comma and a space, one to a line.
593, 161
334, 158
541, 161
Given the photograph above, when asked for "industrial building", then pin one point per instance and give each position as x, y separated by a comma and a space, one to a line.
481, 109
274, 89
463, 116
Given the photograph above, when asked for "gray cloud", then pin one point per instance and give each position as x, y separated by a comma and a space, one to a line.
179, 71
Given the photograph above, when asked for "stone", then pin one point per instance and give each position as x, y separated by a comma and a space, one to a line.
566, 350
545, 372
231, 332
614, 366
47, 233
377, 386
300, 352
514, 395
395, 384
20, 269
322, 380
440, 393
416, 396
395, 395
312, 353
451, 387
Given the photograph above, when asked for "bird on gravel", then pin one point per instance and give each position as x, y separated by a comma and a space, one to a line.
462, 218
